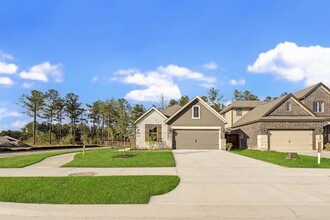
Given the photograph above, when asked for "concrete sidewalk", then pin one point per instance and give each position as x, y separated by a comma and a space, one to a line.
46, 171
164, 211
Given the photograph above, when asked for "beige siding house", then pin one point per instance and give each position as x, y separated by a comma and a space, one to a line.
193, 126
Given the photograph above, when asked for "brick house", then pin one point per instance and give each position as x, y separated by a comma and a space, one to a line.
298, 121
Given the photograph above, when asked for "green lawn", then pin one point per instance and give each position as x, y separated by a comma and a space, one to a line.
26, 160
85, 190
278, 158
105, 158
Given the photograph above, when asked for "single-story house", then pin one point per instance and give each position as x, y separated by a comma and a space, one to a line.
298, 121
195, 125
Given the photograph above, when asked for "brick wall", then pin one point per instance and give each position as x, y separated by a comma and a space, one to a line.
251, 131
318, 95
296, 110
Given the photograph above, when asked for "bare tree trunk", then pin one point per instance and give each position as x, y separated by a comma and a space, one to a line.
50, 127
34, 124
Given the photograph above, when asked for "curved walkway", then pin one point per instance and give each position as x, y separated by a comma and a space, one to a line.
54, 161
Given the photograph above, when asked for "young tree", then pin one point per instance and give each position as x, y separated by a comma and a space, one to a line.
123, 113
162, 102
74, 111
33, 104
52, 98
183, 100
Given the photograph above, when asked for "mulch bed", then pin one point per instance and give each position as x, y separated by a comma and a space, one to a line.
124, 156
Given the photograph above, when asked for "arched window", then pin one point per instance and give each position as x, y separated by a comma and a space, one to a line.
196, 112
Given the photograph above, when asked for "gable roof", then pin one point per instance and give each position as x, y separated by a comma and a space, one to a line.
242, 104
305, 92
147, 112
262, 111
217, 114
169, 111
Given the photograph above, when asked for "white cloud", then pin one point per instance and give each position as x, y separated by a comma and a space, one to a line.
18, 124
228, 103
41, 72
184, 73
238, 82
4, 113
8, 68
154, 93
294, 63
160, 82
27, 85
94, 79
5, 56
210, 66
6, 81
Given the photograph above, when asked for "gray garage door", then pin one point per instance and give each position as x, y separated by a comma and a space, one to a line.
289, 140
196, 139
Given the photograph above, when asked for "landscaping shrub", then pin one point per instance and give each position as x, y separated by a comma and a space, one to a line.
229, 146
327, 147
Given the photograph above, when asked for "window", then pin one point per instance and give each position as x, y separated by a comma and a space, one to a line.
318, 106
152, 132
239, 112
196, 112
288, 107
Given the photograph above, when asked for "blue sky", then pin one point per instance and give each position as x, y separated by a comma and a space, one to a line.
142, 49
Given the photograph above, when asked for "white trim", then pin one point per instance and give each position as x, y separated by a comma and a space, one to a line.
193, 111
204, 104
196, 127
147, 112
219, 141
326, 90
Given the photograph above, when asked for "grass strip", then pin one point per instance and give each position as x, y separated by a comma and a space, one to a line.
278, 158
85, 190
106, 158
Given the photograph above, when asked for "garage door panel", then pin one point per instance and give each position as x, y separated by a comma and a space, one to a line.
196, 139
288, 140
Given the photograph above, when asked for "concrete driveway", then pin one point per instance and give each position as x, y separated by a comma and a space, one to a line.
219, 177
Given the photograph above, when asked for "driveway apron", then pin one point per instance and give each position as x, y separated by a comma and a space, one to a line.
220, 177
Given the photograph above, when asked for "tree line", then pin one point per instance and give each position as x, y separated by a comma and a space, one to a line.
64, 120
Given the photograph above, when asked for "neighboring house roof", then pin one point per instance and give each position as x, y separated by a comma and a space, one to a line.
169, 111
305, 92
204, 104
7, 141
242, 104
147, 112
4, 139
260, 112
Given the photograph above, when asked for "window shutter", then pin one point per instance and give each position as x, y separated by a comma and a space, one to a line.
159, 133
146, 132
